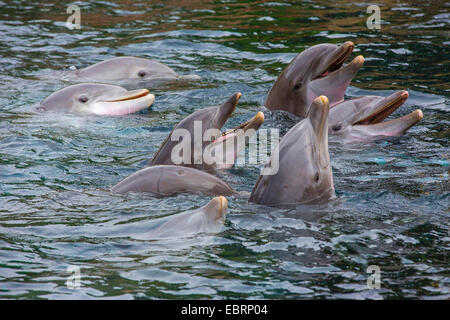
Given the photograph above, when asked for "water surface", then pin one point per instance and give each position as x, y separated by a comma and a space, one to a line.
56, 211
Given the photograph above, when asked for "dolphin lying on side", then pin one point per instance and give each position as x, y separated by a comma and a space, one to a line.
314, 72
166, 180
207, 219
361, 119
304, 172
96, 98
129, 68
209, 118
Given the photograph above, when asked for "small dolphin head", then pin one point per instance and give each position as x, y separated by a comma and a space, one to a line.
127, 68
361, 119
96, 98
314, 72
304, 174
215, 213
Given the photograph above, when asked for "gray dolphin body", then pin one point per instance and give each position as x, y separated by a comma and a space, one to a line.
207, 219
129, 68
211, 118
314, 72
96, 98
167, 180
361, 119
304, 172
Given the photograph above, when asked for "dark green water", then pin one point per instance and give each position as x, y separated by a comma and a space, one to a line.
55, 210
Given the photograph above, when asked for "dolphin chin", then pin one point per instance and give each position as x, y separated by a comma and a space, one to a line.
208, 153
130, 102
314, 72
362, 119
304, 172
207, 219
335, 84
96, 98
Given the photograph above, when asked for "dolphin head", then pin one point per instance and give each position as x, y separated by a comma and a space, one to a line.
314, 72
211, 121
127, 68
215, 213
304, 171
361, 119
96, 98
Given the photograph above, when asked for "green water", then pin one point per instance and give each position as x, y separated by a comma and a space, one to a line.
56, 211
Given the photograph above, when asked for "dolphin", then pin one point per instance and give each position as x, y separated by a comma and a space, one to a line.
361, 119
167, 180
129, 68
315, 71
211, 118
304, 172
207, 219
96, 98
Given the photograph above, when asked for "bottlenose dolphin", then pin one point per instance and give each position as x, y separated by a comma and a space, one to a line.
96, 98
304, 174
166, 180
129, 68
207, 219
209, 118
314, 72
361, 119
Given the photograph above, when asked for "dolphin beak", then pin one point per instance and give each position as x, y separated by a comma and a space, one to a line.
318, 115
223, 207
129, 95
217, 208
394, 127
227, 152
340, 56
254, 123
323, 126
335, 83
226, 110
383, 109
124, 103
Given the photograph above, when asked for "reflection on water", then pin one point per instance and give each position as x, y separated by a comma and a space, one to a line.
55, 211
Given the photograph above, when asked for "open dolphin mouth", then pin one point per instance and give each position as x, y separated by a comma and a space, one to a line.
342, 54
254, 123
333, 81
386, 108
124, 103
394, 127
225, 149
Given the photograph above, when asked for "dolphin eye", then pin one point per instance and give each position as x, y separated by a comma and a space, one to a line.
316, 177
142, 74
298, 85
337, 127
83, 99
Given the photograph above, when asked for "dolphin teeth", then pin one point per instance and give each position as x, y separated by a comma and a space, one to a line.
338, 62
241, 126
382, 113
